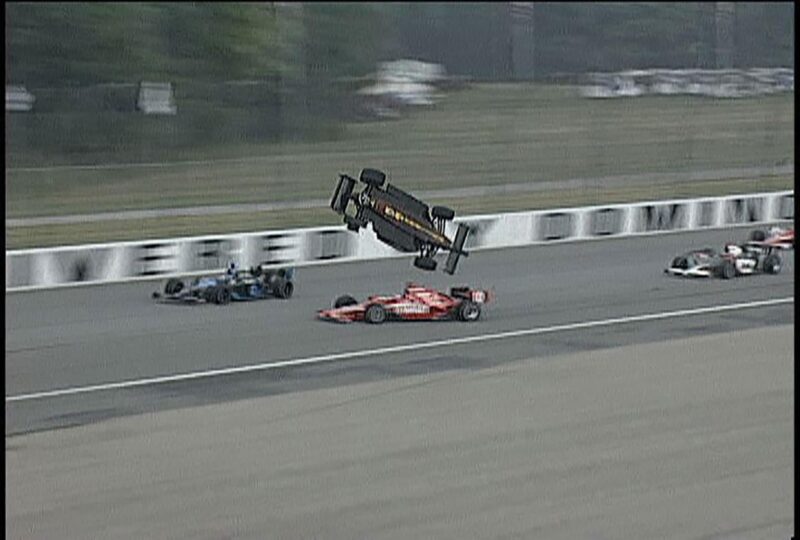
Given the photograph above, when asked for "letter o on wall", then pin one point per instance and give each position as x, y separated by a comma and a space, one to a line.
555, 226
606, 221
786, 207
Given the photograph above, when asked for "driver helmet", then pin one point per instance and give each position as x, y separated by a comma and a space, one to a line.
232, 269
774, 230
733, 249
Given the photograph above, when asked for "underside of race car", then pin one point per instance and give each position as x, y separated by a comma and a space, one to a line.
256, 283
399, 219
416, 303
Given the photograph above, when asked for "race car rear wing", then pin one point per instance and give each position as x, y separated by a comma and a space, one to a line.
457, 250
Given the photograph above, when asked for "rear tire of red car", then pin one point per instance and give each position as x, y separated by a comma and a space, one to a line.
373, 177
468, 311
425, 263
772, 264
442, 212
758, 235
728, 270
375, 314
345, 300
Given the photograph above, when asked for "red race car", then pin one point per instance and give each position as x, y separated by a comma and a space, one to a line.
417, 303
776, 237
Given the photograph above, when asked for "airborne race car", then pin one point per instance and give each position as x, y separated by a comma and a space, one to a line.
417, 303
254, 284
399, 220
734, 260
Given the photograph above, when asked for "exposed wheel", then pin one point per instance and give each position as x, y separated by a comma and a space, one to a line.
425, 263
375, 314
285, 289
345, 300
758, 235
680, 262
373, 177
353, 224
468, 311
442, 212
728, 270
222, 296
173, 286
772, 264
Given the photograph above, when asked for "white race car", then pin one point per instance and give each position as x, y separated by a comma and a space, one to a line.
734, 260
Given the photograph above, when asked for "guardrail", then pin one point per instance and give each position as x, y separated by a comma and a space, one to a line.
63, 266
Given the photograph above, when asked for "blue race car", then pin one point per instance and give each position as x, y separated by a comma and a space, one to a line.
239, 285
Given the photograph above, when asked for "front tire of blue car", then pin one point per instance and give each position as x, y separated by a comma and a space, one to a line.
284, 290
173, 286
222, 296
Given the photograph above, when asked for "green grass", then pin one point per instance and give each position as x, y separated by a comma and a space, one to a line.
490, 133
50, 235
487, 134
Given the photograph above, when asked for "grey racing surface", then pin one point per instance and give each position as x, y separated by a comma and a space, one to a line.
103, 334
678, 428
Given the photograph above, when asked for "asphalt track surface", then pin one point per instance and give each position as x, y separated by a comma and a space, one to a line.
670, 428
103, 334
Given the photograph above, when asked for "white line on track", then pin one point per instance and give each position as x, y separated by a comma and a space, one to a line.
394, 349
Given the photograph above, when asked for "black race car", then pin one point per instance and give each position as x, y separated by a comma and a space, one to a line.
398, 219
255, 283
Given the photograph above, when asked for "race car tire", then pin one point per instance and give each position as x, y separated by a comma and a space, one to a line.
222, 296
344, 300
173, 286
375, 314
425, 263
728, 270
353, 224
373, 177
758, 235
442, 212
284, 289
468, 311
772, 264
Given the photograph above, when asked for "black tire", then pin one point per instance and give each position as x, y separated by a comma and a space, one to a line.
425, 263
373, 177
222, 296
353, 224
173, 286
285, 290
728, 270
375, 314
758, 235
772, 264
442, 212
468, 311
345, 300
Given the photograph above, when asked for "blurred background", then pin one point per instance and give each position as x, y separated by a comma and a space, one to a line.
128, 120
